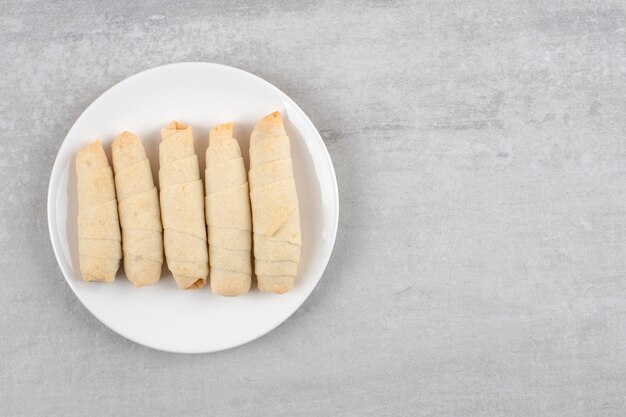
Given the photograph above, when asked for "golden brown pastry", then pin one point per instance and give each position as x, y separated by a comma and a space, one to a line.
227, 214
99, 239
138, 206
182, 207
275, 211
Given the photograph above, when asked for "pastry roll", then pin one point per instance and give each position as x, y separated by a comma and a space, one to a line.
99, 239
227, 214
138, 206
182, 207
275, 211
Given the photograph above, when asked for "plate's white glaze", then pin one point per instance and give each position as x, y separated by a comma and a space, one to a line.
203, 95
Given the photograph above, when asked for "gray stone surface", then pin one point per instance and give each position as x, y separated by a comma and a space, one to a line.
480, 264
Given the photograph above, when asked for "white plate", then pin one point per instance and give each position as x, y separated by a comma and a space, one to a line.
203, 95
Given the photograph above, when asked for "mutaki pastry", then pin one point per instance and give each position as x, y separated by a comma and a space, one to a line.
275, 212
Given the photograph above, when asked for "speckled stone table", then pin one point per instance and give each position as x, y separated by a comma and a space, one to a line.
480, 266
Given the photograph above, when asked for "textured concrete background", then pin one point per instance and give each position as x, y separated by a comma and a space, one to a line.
480, 264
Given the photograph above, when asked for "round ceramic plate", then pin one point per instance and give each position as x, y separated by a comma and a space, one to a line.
203, 95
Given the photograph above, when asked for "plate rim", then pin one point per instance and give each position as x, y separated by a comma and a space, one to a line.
55, 174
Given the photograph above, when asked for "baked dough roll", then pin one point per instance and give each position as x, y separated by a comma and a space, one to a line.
275, 211
182, 207
138, 207
99, 239
227, 214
